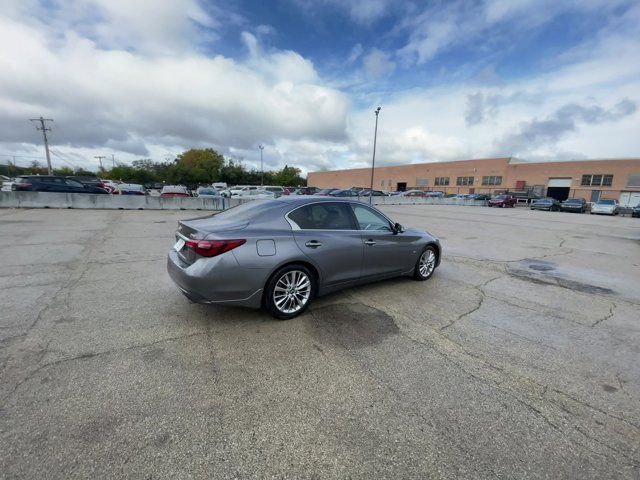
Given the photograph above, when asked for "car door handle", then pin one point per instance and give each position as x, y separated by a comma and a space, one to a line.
369, 242
313, 244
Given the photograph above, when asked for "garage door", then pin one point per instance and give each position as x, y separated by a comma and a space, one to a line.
630, 199
559, 182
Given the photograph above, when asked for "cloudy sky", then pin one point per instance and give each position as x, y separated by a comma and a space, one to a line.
537, 79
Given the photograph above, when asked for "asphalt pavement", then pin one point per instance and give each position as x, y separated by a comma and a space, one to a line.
520, 358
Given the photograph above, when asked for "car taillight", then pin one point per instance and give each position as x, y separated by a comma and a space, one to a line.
212, 248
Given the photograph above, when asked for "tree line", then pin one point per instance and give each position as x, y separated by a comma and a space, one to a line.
192, 167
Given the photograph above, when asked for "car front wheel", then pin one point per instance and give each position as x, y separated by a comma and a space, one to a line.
426, 264
289, 291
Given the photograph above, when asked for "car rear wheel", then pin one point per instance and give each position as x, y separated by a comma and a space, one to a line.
426, 264
289, 291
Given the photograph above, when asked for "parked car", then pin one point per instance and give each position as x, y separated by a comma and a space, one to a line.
280, 254
301, 191
635, 213
238, 190
255, 195
6, 183
174, 191
344, 193
605, 207
110, 185
434, 194
53, 183
549, 204
325, 191
277, 191
413, 193
207, 192
130, 189
376, 193
574, 205
480, 196
505, 200
87, 180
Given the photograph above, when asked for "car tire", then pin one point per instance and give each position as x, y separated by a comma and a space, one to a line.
426, 264
289, 291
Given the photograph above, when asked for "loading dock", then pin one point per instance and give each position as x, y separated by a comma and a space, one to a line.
559, 188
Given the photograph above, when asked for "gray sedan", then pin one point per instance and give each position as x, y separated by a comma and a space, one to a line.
280, 254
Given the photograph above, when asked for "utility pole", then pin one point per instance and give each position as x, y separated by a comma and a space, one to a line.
100, 157
44, 134
261, 147
373, 163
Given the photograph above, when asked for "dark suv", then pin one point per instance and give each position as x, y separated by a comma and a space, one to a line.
51, 183
574, 205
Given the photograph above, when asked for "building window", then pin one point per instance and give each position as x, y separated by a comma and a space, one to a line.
382, 183
442, 181
461, 181
633, 180
389, 184
596, 180
492, 180
422, 182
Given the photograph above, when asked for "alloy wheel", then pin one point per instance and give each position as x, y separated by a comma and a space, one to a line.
427, 262
292, 291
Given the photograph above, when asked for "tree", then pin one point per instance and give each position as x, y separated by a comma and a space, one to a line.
289, 176
64, 171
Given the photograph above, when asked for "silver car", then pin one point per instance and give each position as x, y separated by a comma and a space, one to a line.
280, 254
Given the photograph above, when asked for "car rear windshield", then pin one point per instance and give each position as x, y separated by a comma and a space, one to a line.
500, 197
249, 210
606, 202
573, 200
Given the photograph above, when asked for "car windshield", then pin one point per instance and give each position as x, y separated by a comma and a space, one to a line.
500, 197
606, 202
207, 191
573, 200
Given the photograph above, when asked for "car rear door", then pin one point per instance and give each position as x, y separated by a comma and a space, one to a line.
385, 252
325, 233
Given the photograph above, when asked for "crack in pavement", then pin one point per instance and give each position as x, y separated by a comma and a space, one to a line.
606, 317
87, 355
477, 307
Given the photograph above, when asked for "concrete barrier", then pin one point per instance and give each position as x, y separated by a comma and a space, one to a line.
112, 202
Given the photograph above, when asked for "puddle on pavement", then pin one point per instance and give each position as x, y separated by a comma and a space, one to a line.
351, 325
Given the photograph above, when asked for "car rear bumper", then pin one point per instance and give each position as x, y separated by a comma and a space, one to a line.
218, 280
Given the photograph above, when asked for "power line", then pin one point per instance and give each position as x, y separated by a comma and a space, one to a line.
63, 159
44, 134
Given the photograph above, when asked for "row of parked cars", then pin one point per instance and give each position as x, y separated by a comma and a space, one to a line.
604, 206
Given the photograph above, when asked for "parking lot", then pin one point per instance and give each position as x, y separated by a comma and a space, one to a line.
520, 358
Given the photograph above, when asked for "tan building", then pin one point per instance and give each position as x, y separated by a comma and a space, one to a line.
589, 179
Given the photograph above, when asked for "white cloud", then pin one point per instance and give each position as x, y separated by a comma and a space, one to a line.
378, 63
121, 100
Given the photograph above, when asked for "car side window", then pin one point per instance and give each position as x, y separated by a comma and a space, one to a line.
369, 219
322, 216
73, 183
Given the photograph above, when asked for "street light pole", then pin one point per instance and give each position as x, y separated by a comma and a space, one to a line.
373, 162
261, 147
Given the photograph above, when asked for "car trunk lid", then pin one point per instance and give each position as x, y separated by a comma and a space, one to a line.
199, 229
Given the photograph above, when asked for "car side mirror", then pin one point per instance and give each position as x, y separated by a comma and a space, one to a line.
397, 228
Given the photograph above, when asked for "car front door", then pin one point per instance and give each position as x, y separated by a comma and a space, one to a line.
325, 233
385, 252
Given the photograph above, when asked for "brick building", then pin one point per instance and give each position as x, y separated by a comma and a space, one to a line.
589, 179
